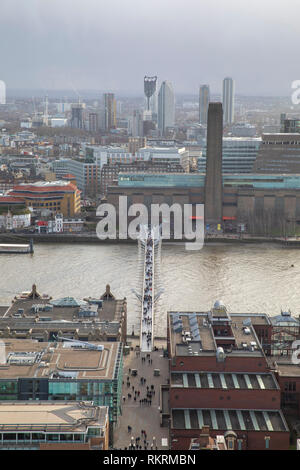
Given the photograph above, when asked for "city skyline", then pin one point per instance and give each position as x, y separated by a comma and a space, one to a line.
62, 39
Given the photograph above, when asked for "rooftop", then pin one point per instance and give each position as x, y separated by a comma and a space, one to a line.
226, 419
30, 358
223, 381
284, 367
50, 416
202, 333
197, 180
33, 310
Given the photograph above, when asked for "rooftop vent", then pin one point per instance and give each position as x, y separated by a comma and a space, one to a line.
247, 322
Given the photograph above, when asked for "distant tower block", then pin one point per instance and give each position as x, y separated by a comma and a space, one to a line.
2, 92
213, 178
110, 111
149, 88
77, 121
228, 100
204, 97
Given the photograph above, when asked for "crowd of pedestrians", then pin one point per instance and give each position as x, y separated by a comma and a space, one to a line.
147, 319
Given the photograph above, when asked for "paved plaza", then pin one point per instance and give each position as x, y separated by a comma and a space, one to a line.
135, 414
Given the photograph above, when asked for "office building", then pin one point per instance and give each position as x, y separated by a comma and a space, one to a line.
66, 371
110, 172
204, 98
278, 153
228, 100
85, 171
166, 107
136, 143
93, 122
110, 118
150, 90
53, 425
77, 115
56, 196
243, 129
291, 126
238, 155
2, 92
136, 124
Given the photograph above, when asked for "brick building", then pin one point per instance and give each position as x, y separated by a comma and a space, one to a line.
56, 196
220, 378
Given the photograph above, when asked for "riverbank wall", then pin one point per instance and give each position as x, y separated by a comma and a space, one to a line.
92, 238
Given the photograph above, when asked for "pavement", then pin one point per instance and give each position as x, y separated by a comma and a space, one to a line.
142, 416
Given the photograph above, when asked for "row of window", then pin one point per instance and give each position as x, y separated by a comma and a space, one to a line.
47, 204
30, 437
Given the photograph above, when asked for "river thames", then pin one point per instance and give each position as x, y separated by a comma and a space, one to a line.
248, 278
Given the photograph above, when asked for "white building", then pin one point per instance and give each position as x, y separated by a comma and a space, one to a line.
2, 92
166, 107
136, 124
60, 224
10, 222
58, 122
164, 154
228, 100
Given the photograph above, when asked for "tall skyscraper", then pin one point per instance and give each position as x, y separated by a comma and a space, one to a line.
149, 89
93, 122
136, 124
213, 178
77, 118
204, 97
2, 92
166, 107
228, 100
110, 120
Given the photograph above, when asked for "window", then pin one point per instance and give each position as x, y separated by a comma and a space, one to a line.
267, 442
230, 443
9, 437
95, 431
38, 437
240, 444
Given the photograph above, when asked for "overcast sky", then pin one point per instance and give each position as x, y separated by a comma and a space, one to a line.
111, 44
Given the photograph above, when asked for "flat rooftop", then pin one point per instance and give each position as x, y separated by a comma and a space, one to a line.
41, 312
284, 366
200, 333
110, 310
51, 416
30, 358
226, 380
227, 419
